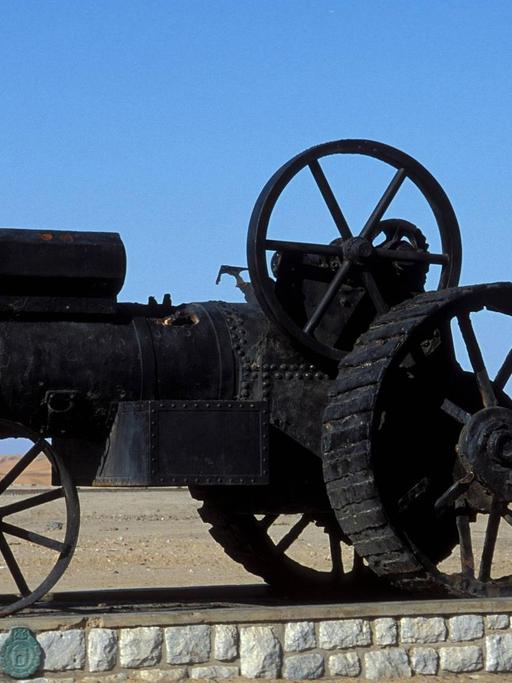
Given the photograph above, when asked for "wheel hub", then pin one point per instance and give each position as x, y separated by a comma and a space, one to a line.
357, 249
485, 446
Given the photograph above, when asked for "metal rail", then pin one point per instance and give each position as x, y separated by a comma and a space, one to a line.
189, 598
229, 604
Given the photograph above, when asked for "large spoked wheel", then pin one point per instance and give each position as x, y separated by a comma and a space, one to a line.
39, 522
423, 402
363, 258
286, 551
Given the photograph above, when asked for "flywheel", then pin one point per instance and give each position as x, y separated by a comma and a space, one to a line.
324, 284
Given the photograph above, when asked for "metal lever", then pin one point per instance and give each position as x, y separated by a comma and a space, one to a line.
242, 285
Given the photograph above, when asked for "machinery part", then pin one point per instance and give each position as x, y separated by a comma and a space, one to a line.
53, 543
272, 546
417, 451
56, 263
241, 284
354, 254
138, 451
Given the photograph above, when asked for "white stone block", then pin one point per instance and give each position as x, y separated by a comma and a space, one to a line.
140, 646
158, 675
215, 671
495, 622
226, 643
499, 652
188, 644
101, 649
344, 633
108, 678
461, 659
422, 629
386, 631
389, 663
260, 652
465, 627
299, 635
63, 650
424, 660
301, 667
344, 664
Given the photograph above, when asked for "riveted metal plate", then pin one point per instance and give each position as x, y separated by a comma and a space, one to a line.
166, 443
211, 442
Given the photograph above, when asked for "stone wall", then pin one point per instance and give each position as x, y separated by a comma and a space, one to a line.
370, 647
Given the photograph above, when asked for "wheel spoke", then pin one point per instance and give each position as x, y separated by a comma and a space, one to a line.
303, 247
31, 536
294, 533
491, 535
267, 521
477, 361
336, 558
455, 411
504, 373
21, 465
374, 292
410, 255
32, 502
327, 298
467, 559
389, 194
413, 495
330, 199
13, 566
358, 565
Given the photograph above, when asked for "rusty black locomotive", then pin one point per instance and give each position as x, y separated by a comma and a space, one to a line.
334, 394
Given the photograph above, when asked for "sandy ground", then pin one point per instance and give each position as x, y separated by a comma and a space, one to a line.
127, 539
154, 537
134, 538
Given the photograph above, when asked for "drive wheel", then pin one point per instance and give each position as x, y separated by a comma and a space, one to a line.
276, 547
417, 444
38, 524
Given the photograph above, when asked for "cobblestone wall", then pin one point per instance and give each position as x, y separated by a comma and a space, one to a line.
369, 648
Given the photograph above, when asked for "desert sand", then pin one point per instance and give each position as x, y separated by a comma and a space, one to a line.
153, 538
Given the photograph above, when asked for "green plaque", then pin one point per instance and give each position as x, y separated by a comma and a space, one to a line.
21, 654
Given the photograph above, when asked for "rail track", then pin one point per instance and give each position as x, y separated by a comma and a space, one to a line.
249, 601
190, 598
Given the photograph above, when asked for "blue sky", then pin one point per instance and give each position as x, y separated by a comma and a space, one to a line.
163, 120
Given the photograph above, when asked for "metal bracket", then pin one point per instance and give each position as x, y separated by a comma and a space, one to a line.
245, 287
60, 405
